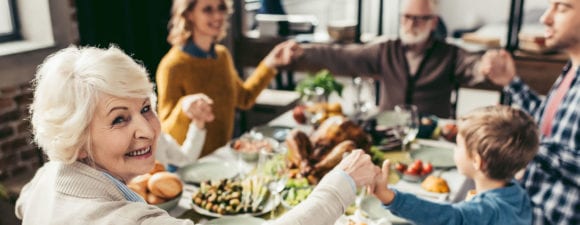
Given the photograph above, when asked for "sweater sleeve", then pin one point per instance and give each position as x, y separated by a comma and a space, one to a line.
248, 91
324, 205
466, 67
351, 59
170, 95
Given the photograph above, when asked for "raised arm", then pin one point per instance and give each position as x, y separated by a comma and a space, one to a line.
344, 59
499, 67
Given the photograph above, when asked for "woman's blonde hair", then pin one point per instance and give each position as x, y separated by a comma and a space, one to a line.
180, 29
505, 138
67, 87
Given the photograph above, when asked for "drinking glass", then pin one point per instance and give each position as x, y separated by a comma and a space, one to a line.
272, 165
408, 123
364, 94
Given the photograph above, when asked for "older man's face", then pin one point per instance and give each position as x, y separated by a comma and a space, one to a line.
562, 20
417, 21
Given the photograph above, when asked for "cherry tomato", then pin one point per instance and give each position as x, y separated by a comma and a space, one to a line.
427, 168
401, 167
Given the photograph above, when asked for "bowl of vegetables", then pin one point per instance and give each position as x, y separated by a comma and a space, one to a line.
295, 191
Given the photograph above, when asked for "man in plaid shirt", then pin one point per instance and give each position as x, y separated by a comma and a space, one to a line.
553, 178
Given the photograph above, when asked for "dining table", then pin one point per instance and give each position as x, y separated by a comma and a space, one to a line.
459, 185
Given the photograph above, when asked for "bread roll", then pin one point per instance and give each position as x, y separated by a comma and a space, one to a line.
157, 168
141, 181
165, 185
154, 199
141, 191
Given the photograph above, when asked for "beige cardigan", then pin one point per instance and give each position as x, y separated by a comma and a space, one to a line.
78, 194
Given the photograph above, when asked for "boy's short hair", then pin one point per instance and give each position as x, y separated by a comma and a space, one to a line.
505, 138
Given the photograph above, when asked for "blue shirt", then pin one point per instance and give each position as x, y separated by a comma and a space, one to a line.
195, 51
507, 205
129, 195
552, 179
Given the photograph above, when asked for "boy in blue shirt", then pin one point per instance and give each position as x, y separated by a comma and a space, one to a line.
493, 144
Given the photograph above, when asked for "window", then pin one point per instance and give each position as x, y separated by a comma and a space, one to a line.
8, 21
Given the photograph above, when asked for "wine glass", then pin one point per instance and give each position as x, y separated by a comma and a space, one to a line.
409, 123
364, 93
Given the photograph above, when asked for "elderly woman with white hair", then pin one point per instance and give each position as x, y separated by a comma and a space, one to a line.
92, 116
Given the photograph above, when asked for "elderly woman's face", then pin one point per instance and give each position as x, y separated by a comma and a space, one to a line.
123, 136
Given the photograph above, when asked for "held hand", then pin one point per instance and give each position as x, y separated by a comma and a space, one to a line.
198, 107
381, 191
282, 54
359, 166
498, 67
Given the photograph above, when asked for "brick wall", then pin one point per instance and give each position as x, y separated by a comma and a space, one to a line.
17, 153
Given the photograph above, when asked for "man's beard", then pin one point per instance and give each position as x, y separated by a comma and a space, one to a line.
408, 38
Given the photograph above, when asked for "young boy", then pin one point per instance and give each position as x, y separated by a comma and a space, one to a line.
493, 143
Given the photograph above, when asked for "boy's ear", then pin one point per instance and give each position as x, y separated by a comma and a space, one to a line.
477, 162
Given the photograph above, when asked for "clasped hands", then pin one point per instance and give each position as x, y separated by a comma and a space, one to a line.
361, 169
198, 107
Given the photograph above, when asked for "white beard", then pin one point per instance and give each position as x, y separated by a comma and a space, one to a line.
408, 38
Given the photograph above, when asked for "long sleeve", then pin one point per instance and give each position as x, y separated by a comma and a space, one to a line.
466, 68
346, 59
522, 96
509, 205
248, 90
324, 205
170, 152
171, 90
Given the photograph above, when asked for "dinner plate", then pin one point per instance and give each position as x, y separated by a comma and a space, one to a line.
277, 132
202, 171
236, 220
441, 156
268, 206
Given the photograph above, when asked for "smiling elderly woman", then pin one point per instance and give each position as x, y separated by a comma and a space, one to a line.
92, 116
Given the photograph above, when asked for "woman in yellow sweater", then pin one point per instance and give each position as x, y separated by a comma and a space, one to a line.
197, 64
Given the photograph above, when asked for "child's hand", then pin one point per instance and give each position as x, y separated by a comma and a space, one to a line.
381, 191
198, 107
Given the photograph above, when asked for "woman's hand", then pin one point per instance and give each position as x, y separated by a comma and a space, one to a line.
381, 191
359, 166
498, 66
198, 107
283, 54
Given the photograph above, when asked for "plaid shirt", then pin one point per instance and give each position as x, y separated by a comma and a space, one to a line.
553, 177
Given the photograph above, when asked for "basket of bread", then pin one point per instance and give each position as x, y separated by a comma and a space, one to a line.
158, 187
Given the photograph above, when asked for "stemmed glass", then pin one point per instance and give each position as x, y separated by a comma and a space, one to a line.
364, 94
409, 123
272, 165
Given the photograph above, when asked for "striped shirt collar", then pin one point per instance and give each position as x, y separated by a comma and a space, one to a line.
128, 193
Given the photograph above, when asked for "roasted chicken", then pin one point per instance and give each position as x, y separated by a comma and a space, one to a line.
316, 155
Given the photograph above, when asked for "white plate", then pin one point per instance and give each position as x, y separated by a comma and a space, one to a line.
277, 132
202, 171
236, 220
439, 154
268, 206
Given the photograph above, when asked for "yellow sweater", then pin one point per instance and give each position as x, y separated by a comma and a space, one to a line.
181, 74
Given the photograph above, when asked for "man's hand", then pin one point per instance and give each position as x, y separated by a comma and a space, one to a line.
359, 166
198, 107
283, 54
498, 66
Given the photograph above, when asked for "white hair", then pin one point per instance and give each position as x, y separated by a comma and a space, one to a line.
434, 5
67, 87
